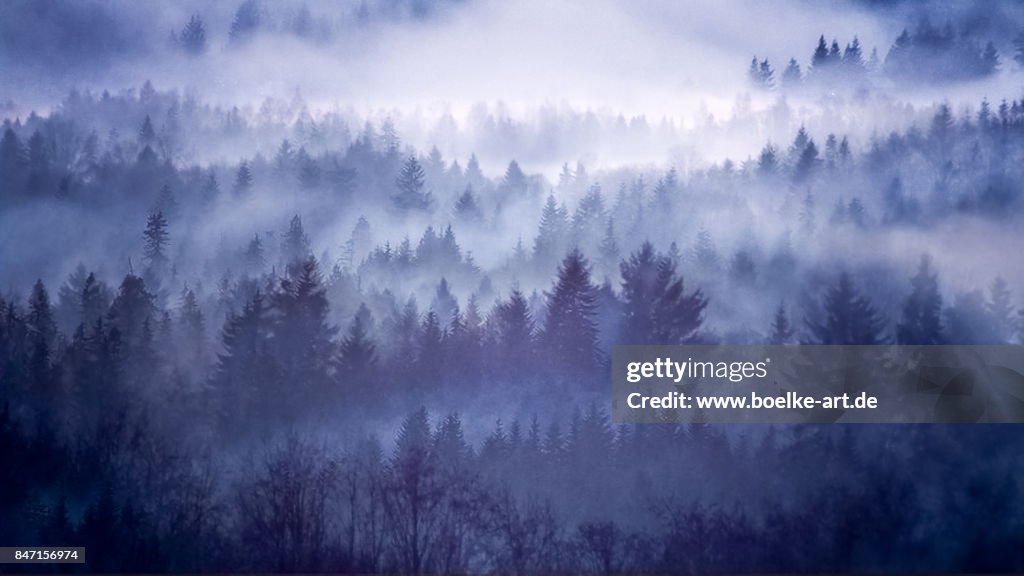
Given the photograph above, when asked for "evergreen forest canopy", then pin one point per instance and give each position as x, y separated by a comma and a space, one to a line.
299, 337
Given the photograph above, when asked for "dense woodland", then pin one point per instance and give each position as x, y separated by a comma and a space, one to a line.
284, 339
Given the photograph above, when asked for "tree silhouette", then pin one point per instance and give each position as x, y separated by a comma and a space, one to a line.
570, 330
921, 319
849, 318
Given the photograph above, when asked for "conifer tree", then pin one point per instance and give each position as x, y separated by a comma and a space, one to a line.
156, 237
570, 329
515, 332
921, 320
246, 21
358, 354
193, 36
848, 317
243, 179
656, 307
410, 193
1001, 310
792, 75
295, 247
466, 207
782, 330
303, 340
255, 255
553, 232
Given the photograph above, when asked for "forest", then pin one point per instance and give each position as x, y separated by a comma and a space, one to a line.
280, 335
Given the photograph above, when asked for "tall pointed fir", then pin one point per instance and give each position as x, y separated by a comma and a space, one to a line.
847, 317
656, 307
921, 319
570, 328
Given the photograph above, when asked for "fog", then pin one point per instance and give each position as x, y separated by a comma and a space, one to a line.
347, 249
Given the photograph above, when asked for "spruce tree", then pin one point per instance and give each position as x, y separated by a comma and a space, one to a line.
656, 307
410, 193
921, 321
255, 255
303, 339
357, 354
1001, 310
848, 317
792, 75
553, 232
193, 36
515, 333
243, 179
466, 208
245, 380
782, 330
430, 353
295, 247
246, 21
156, 237
570, 328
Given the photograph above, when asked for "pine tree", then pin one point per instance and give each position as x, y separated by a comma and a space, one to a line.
410, 187
514, 181
131, 314
444, 303
303, 340
807, 163
768, 160
921, 321
570, 329
792, 76
766, 75
849, 318
192, 326
245, 22
358, 354
93, 301
42, 335
193, 36
430, 353
515, 333
656, 307
609, 250
389, 137
466, 208
254, 255
245, 380
553, 231
705, 255
819, 60
156, 237
782, 330
295, 247
147, 135
856, 213
243, 179
589, 218
742, 269
853, 57
1000, 309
